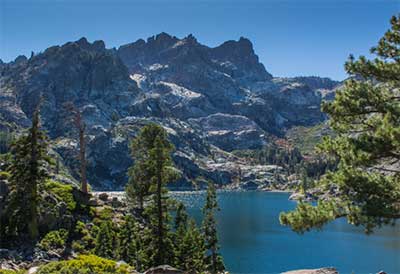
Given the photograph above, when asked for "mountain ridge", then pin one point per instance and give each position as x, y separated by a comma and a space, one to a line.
211, 100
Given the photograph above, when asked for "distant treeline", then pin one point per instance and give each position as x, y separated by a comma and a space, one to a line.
289, 158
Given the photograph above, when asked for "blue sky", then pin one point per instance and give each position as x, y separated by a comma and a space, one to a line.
303, 37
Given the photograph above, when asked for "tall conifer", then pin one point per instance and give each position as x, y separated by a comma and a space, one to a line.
366, 118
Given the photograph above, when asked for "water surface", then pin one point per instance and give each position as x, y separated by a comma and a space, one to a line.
252, 240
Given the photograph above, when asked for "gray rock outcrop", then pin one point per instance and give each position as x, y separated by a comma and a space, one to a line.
208, 99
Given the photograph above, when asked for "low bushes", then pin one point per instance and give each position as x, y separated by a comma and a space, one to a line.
55, 239
85, 264
63, 192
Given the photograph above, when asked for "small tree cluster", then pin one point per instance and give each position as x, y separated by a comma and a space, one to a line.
146, 191
28, 173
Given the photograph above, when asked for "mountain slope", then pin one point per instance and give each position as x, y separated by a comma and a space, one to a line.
211, 101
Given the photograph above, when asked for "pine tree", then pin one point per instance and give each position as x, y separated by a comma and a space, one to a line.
162, 174
6, 139
127, 238
133, 244
210, 228
180, 224
140, 173
366, 118
181, 217
189, 248
152, 170
189, 245
105, 241
28, 172
304, 181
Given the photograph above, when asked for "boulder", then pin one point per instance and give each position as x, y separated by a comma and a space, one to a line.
296, 196
163, 269
95, 202
115, 202
33, 270
103, 196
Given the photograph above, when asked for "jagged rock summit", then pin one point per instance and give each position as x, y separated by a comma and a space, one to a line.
211, 100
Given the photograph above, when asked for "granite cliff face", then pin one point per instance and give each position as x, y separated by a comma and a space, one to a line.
210, 100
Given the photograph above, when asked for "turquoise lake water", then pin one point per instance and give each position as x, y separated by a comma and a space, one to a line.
252, 240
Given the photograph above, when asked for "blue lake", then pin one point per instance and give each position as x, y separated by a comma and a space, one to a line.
253, 241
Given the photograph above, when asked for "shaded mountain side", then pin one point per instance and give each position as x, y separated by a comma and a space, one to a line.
211, 101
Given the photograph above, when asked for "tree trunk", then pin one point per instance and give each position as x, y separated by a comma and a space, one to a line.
140, 202
160, 219
82, 157
214, 261
32, 222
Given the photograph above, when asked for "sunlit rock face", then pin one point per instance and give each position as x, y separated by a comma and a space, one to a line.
211, 100
230, 132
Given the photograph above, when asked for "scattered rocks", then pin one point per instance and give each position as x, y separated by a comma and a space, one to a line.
163, 269
27, 257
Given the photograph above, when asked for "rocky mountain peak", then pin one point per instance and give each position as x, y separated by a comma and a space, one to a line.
243, 47
20, 59
161, 41
206, 97
84, 44
239, 57
190, 39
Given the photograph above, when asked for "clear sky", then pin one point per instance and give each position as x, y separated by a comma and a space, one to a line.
291, 37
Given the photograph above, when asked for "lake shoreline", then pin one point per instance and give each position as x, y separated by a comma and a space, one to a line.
119, 192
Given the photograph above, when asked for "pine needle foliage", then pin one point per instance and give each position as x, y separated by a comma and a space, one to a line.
365, 116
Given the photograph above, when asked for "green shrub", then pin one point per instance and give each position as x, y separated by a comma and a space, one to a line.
106, 244
7, 271
78, 246
84, 264
86, 240
54, 240
4, 175
62, 192
106, 213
